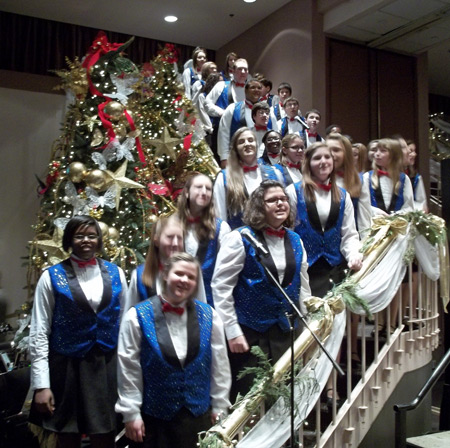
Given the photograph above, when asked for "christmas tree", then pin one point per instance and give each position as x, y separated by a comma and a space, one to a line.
129, 140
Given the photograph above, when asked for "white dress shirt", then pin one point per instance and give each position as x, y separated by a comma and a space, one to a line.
387, 190
364, 207
229, 264
130, 379
91, 283
252, 180
191, 240
237, 93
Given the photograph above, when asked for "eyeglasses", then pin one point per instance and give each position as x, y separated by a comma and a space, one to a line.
297, 148
80, 237
272, 201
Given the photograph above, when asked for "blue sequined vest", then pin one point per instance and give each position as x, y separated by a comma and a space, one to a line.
76, 328
398, 198
169, 387
256, 299
319, 244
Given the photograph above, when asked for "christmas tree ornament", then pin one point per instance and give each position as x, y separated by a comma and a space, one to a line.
119, 179
76, 172
113, 234
165, 145
72, 198
97, 179
104, 229
114, 109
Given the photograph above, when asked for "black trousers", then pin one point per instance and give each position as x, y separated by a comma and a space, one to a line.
273, 342
180, 432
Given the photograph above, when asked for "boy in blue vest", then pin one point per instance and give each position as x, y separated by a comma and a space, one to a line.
174, 375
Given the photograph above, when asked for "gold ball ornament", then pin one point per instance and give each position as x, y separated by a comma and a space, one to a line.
96, 179
76, 172
113, 234
114, 109
104, 228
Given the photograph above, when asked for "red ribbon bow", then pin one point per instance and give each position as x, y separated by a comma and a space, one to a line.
294, 165
292, 119
260, 128
84, 263
382, 173
239, 84
273, 155
272, 232
325, 187
168, 308
192, 220
249, 168
249, 104
312, 134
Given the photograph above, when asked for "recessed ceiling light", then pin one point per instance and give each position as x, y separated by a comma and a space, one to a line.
170, 18
249, 1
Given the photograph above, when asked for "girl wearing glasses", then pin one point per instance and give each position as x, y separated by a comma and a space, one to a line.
251, 307
73, 338
272, 148
241, 177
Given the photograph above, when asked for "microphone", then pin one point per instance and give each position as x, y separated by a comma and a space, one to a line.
260, 249
302, 122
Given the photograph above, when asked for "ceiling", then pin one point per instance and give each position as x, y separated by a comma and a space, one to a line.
406, 26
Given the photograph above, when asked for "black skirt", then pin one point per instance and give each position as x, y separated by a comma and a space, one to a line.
323, 276
85, 392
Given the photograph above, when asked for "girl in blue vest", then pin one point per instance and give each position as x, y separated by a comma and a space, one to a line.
325, 220
420, 196
389, 187
272, 148
227, 72
193, 71
251, 307
347, 177
293, 153
73, 338
204, 232
242, 176
167, 238
174, 374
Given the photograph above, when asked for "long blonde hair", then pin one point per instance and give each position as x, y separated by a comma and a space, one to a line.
352, 182
152, 259
309, 186
236, 197
395, 165
206, 228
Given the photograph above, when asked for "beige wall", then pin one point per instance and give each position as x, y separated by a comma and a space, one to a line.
29, 123
287, 46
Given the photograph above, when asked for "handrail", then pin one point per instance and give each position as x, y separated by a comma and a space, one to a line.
401, 409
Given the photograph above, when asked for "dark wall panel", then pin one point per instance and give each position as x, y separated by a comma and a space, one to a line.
349, 89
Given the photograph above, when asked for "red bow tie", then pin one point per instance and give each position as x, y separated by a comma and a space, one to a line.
292, 119
264, 98
249, 168
260, 128
168, 308
84, 263
271, 154
325, 187
294, 165
249, 104
382, 173
340, 173
312, 134
272, 232
239, 84
192, 220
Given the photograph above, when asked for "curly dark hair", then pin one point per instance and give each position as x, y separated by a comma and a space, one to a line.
74, 224
255, 211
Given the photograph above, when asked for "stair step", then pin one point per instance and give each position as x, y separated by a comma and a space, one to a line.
435, 440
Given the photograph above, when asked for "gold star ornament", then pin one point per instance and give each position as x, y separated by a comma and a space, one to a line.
165, 145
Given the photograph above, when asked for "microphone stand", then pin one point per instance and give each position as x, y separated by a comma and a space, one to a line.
291, 319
